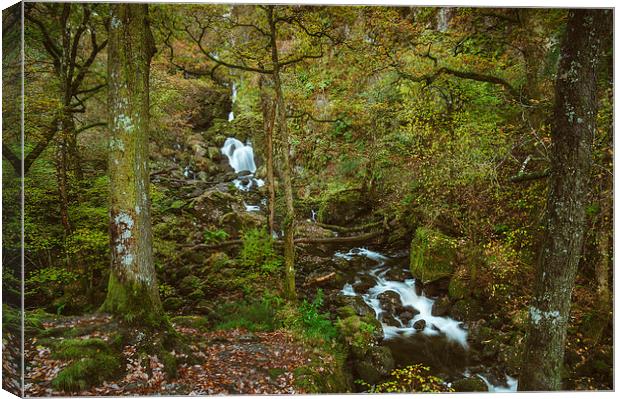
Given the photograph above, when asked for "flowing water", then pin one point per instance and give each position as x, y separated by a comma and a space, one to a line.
411, 330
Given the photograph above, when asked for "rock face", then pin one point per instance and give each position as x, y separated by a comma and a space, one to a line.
432, 256
342, 207
212, 103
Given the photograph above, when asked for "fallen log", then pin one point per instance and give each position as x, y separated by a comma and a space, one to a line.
302, 240
342, 229
320, 279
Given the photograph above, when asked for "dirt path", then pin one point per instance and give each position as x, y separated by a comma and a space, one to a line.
231, 362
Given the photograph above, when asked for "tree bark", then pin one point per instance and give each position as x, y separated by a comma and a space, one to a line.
289, 218
572, 136
269, 115
132, 290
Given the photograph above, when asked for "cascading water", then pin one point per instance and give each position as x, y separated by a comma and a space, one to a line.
401, 333
240, 156
231, 114
241, 159
434, 325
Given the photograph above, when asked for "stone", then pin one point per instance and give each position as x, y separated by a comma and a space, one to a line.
389, 301
470, 384
420, 325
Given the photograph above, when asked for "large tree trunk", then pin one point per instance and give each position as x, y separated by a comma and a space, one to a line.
289, 218
572, 135
132, 290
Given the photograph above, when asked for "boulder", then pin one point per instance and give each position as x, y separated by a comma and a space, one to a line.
390, 301
432, 255
376, 366
470, 384
420, 325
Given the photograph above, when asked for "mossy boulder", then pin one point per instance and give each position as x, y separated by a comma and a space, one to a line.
377, 365
94, 361
432, 256
342, 207
471, 384
359, 335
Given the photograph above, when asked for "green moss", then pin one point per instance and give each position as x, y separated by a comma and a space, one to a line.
135, 303
473, 384
76, 348
87, 372
432, 255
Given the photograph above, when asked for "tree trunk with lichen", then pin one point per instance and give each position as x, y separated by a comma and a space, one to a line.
132, 289
571, 159
269, 114
289, 217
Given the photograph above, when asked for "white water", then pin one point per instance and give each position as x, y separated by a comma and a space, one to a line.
511, 387
435, 325
231, 114
240, 156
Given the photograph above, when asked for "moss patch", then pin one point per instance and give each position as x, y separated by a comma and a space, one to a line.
432, 255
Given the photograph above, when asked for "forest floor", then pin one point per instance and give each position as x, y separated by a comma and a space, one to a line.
231, 362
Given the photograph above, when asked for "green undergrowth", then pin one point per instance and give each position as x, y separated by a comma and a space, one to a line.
413, 378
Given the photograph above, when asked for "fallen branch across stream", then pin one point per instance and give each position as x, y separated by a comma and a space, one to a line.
341, 229
302, 240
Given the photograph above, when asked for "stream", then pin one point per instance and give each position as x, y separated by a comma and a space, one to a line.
410, 329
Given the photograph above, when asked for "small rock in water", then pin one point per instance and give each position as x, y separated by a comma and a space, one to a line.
419, 325
407, 314
390, 301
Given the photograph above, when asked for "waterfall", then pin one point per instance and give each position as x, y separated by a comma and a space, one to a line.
231, 114
241, 159
442, 23
240, 156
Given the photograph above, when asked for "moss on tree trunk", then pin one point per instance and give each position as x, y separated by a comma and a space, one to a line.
132, 292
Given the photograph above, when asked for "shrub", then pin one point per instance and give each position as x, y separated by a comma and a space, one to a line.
258, 252
413, 378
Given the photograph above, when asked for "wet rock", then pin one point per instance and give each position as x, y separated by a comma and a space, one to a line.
432, 255
397, 274
365, 284
357, 304
436, 288
407, 314
390, 320
420, 325
471, 384
390, 301
441, 307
